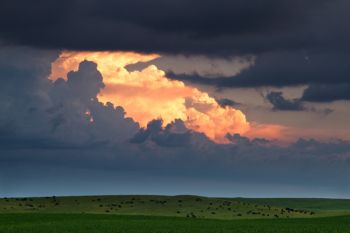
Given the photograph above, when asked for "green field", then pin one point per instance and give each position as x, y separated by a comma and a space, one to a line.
171, 214
97, 223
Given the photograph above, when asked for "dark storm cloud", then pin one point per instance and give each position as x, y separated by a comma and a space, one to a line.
206, 27
326, 73
283, 69
299, 42
327, 93
279, 103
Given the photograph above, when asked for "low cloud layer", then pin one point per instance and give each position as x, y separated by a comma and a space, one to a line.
202, 65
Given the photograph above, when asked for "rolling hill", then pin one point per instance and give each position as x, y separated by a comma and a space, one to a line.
179, 206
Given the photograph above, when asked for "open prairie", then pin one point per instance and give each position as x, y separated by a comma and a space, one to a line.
172, 214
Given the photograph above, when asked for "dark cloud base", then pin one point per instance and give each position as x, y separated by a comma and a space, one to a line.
326, 74
279, 103
327, 93
209, 27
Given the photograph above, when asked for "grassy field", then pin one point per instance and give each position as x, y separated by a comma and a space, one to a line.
172, 214
97, 223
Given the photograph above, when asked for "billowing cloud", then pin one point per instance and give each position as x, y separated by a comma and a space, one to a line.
143, 96
148, 94
76, 112
60, 114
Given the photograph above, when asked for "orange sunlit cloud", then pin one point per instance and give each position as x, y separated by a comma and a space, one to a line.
148, 94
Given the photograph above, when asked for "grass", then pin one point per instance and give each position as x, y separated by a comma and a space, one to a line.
104, 214
97, 223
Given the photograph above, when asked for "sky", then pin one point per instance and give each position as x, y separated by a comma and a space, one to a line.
217, 98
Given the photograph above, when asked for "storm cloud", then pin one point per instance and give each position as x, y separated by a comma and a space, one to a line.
35, 110
282, 69
209, 27
327, 93
293, 42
